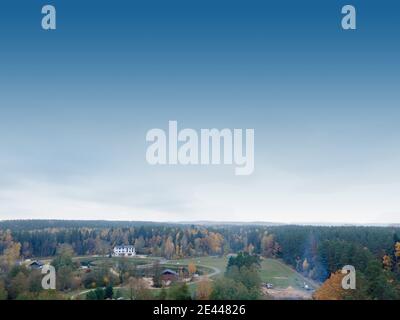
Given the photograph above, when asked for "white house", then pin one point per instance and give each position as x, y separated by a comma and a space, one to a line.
124, 251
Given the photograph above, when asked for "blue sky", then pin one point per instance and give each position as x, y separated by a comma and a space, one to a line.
76, 103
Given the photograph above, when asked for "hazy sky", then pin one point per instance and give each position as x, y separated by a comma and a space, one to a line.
76, 103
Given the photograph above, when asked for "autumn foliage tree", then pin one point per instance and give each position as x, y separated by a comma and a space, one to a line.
203, 290
191, 268
269, 247
397, 250
215, 242
10, 256
305, 265
138, 289
169, 248
331, 289
397, 254
387, 262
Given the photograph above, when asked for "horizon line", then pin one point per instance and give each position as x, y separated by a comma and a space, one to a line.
216, 222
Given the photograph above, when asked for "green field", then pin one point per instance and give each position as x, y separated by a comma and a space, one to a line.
110, 261
218, 263
280, 275
272, 271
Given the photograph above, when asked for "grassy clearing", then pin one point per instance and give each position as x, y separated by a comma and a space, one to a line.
110, 261
280, 275
213, 262
272, 270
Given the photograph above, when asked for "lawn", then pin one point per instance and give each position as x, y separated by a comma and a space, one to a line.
272, 270
218, 263
280, 275
109, 261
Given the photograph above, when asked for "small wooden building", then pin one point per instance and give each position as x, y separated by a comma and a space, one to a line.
169, 275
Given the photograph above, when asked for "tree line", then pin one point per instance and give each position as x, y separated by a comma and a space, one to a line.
318, 252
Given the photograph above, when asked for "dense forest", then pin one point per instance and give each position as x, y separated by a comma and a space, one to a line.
317, 252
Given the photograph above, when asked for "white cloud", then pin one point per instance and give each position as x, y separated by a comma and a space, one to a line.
275, 197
